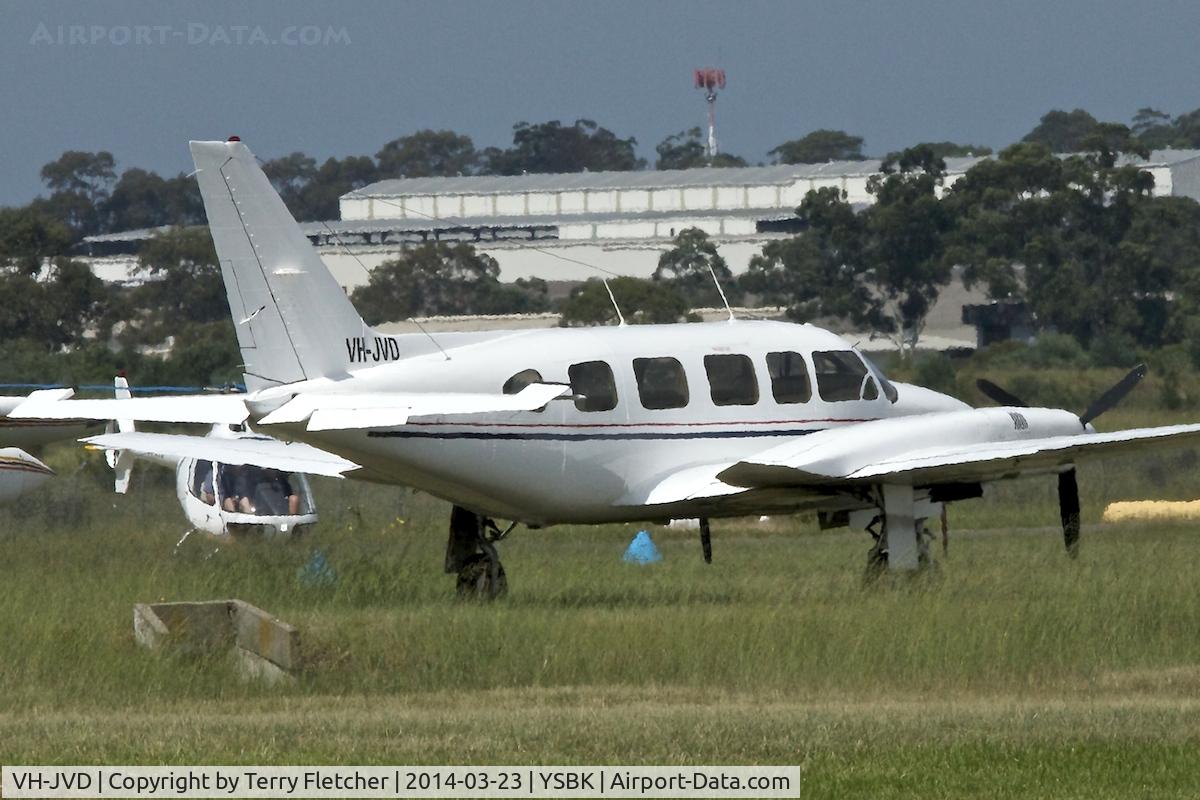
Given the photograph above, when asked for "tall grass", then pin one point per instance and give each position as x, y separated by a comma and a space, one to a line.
1010, 670
782, 609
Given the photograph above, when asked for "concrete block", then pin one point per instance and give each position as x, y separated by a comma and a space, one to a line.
265, 636
262, 646
148, 630
253, 667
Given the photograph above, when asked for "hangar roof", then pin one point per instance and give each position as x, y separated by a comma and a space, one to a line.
778, 174
645, 179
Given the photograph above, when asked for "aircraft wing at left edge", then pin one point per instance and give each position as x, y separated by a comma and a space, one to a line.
259, 451
214, 409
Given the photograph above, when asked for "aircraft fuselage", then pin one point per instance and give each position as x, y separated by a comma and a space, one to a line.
679, 395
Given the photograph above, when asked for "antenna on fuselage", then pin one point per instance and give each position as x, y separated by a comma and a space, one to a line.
421, 328
721, 291
613, 297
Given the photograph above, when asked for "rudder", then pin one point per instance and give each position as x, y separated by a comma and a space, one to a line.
292, 318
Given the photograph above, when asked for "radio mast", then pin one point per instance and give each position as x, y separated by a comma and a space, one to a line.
710, 79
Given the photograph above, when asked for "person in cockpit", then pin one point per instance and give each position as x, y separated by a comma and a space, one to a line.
236, 486
276, 483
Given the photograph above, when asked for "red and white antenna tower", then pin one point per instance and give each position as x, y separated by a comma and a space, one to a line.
710, 79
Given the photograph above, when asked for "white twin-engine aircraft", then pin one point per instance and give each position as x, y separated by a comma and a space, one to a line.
595, 425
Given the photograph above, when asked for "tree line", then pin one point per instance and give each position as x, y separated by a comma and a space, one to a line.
1082, 240
87, 195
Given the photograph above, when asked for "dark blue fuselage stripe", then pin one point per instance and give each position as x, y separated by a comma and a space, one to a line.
578, 437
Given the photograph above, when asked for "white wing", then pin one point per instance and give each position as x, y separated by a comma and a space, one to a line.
392, 409
259, 451
954, 463
222, 409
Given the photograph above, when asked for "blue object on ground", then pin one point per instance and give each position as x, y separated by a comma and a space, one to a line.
642, 550
318, 572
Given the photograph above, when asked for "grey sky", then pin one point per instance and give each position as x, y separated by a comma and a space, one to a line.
893, 72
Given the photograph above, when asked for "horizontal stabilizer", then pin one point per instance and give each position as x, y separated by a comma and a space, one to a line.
214, 409
258, 451
392, 409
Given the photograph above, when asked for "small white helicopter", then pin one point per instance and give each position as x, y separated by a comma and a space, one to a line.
226, 499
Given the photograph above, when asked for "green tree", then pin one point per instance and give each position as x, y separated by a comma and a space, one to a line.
823, 272
439, 278
142, 199
1153, 127
641, 302
55, 309
1156, 130
290, 176
554, 147
687, 150
1109, 140
80, 183
689, 266
28, 235
185, 282
954, 150
905, 231
994, 224
428, 153
819, 147
1063, 131
1083, 241
89, 174
319, 198
312, 193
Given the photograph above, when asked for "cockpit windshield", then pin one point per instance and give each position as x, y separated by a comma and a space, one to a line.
889, 391
844, 375
246, 489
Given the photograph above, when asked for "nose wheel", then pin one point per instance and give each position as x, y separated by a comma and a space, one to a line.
471, 555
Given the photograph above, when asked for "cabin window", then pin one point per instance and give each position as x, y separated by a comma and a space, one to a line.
661, 382
524, 378
593, 386
731, 380
263, 492
789, 377
202, 483
842, 375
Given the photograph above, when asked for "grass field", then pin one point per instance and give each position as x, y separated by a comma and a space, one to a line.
1012, 673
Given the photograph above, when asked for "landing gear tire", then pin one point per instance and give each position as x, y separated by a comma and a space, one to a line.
877, 562
480, 579
471, 555
877, 557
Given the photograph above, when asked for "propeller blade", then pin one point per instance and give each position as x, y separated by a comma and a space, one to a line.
998, 395
1114, 395
1068, 509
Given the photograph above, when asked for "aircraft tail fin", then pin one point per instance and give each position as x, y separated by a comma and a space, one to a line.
293, 321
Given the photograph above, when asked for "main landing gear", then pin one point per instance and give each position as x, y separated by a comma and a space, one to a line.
902, 540
471, 552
